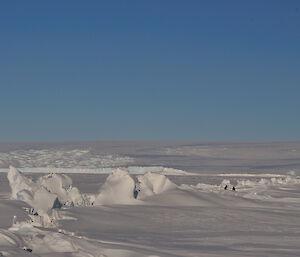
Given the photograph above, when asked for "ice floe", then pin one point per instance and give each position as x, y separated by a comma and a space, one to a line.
48, 192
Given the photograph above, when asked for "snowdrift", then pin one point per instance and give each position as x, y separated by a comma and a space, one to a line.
118, 189
151, 184
56, 190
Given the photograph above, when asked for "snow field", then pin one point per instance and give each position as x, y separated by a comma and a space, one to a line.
113, 222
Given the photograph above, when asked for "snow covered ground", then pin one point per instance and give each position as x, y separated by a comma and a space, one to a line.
138, 209
208, 158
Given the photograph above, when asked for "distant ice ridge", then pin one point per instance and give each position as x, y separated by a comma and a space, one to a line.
61, 159
186, 150
276, 181
134, 170
231, 151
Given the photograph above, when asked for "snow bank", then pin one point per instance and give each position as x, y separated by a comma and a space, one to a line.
8, 239
48, 192
118, 189
42, 242
54, 190
152, 184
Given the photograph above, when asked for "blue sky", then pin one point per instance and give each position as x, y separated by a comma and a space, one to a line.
150, 70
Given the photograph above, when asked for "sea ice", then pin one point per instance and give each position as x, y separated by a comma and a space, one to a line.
164, 219
47, 191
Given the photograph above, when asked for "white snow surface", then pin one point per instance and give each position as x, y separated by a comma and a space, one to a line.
165, 217
152, 184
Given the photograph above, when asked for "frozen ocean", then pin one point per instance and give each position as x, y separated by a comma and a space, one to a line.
149, 199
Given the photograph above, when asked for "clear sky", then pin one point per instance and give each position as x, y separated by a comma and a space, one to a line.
150, 70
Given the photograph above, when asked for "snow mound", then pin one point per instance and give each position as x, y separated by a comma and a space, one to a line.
55, 190
287, 180
226, 182
152, 184
118, 189
18, 182
50, 191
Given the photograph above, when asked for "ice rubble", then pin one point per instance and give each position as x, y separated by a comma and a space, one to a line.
287, 180
53, 190
22, 237
62, 158
118, 189
42, 195
47, 192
